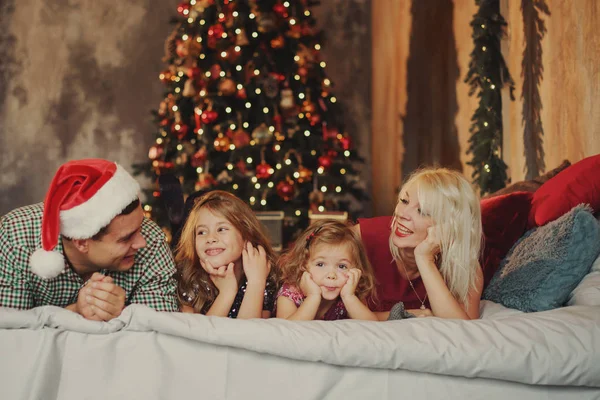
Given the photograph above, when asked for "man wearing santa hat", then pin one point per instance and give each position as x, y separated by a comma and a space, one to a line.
87, 248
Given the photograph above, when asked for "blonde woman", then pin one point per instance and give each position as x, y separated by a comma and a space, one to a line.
427, 254
224, 260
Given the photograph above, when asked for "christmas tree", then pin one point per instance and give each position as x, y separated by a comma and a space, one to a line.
249, 109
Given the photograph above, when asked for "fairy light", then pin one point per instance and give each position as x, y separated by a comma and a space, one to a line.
277, 147
296, 174
257, 186
200, 132
190, 20
199, 170
493, 87
235, 186
323, 189
484, 48
199, 39
184, 37
307, 13
347, 153
179, 146
287, 161
301, 115
177, 79
202, 22
313, 152
485, 124
232, 147
147, 208
297, 77
177, 90
254, 179
263, 202
246, 125
271, 128
256, 72
224, 35
333, 99
257, 91
175, 108
317, 46
307, 133
254, 35
342, 171
221, 15
286, 4
252, 16
292, 21
232, 127
159, 140
207, 74
228, 110
266, 110
230, 166
235, 14
202, 93
237, 49
278, 166
222, 74
238, 31
249, 160
270, 184
338, 189
296, 58
238, 67
252, 199
202, 56
322, 64
487, 168
320, 170
321, 208
327, 82
223, 54
298, 213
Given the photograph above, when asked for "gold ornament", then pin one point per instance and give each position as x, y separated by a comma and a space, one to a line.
262, 135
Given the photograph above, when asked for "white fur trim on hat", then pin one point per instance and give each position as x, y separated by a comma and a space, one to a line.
47, 264
85, 220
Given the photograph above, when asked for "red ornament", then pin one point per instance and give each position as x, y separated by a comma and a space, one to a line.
280, 10
240, 138
215, 33
241, 94
194, 73
314, 119
286, 189
263, 170
164, 122
182, 49
302, 71
199, 157
346, 143
205, 181
209, 116
184, 9
325, 161
329, 133
180, 129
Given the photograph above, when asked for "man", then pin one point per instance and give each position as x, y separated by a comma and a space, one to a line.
99, 254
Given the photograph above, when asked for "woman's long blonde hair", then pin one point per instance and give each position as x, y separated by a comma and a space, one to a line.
292, 263
192, 278
454, 208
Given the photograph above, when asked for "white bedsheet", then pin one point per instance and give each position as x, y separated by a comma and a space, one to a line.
49, 352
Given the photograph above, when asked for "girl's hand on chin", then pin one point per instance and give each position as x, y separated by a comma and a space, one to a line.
308, 286
255, 264
224, 278
429, 247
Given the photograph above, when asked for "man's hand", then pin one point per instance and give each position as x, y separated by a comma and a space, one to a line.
104, 298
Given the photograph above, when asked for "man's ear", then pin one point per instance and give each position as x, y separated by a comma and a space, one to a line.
81, 244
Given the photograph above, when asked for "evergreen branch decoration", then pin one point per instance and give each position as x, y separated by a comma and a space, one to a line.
487, 75
533, 73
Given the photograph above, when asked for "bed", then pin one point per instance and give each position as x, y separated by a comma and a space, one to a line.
49, 352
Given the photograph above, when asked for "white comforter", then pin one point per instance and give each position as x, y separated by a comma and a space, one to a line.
559, 347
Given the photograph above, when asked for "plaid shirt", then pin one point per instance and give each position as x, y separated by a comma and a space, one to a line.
150, 281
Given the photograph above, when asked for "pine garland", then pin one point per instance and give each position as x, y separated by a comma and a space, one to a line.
487, 75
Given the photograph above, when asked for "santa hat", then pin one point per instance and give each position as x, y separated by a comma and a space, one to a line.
84, 197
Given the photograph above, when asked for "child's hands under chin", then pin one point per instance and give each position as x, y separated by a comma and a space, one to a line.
223, 277
349, 288
254, 261
429, 247
308, 286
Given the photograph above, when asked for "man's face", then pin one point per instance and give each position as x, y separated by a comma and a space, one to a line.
116, 250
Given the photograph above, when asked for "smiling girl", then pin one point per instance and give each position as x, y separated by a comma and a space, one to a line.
426, 254
224, 260
326, 275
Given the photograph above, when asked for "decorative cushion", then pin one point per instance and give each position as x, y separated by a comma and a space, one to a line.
504, 220
587, 293
531, 185
547, 263
579, 183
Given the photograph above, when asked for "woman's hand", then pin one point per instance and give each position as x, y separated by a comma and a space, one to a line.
256, 266
429, 247
419, 313
349, 288
308, 286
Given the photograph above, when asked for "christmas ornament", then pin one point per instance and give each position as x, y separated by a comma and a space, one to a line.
199, 157
286, 189
240, 138
278, 42
224, 177
165, 76
155, 152
183, 9
287, 99
264, 170
215, 33
241, 39
280, 10
346, 142
325, 161
188, 89
205, 181
180, 129
329, 133
241, 94
308, 107
314, 119
209, 116
304, 174
222, 143
227, 87
262, 135
266, 22
194, 73
181, 49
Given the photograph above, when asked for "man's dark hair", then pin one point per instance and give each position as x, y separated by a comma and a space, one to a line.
126, 211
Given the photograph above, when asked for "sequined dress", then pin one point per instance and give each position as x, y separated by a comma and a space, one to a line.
268, 303
335, 312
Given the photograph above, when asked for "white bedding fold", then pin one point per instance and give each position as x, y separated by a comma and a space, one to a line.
558, 347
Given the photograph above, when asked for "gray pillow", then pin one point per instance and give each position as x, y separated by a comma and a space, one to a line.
547, 263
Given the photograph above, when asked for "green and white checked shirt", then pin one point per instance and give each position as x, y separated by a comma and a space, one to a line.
150, 281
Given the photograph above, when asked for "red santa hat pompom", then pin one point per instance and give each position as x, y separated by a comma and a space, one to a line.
84, 196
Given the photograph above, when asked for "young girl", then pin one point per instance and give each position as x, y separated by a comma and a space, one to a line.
224, 260
326, 275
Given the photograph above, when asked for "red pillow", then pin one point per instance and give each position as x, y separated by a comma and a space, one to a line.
579, 183
504, 220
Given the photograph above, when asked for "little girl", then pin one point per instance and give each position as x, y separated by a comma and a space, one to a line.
326, 275
224, 260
